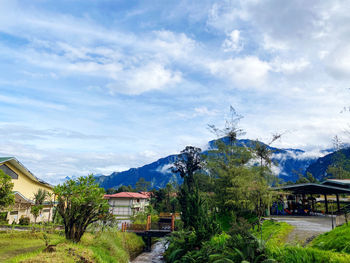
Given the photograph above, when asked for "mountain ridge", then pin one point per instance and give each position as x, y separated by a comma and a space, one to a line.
290, 163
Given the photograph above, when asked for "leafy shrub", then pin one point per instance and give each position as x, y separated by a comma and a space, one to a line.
24, 221
3, 216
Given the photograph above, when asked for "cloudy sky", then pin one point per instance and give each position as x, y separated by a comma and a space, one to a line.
92, 86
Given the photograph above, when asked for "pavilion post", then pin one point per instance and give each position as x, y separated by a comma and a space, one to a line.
338, 203
326, 203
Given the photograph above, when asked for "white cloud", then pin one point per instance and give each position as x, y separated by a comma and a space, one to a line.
245, 72
289, 67
233, 42
152, 76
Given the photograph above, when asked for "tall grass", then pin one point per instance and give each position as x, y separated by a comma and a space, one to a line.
337, 240
297, 254
274, 233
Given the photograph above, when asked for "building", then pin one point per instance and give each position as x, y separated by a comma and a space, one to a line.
25, 185
126, 204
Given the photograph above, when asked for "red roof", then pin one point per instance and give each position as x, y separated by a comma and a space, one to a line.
127, 195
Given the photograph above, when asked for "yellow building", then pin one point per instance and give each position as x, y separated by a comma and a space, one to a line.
25, 185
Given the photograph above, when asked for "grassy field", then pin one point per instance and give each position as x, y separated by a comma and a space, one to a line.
330, 247
27, 247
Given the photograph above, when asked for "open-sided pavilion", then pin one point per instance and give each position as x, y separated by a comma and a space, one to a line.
329, 187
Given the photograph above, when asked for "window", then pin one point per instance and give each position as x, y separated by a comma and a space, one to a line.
138, 200
8, 171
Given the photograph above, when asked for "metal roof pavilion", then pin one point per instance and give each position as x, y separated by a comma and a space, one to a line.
311, 188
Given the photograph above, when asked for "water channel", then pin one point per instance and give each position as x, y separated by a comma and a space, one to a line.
155, 256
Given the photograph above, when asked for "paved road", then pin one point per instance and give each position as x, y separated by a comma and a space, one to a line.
305, 227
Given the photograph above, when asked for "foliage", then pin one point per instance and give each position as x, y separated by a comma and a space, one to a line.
238, 245
80, 203
273, 233
164, 199
3, 218
142, 185
337, 240
297, 254
109, 246
24, 221
40, 196
7, 198
340, 167
35, 211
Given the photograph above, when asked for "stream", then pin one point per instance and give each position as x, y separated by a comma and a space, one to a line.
155, 256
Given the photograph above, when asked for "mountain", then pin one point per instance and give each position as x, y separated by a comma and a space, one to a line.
319, 168
288, 163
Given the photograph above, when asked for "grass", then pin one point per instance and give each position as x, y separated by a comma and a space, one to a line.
329, 247
297, 254
337, 240
274, 233
102, 247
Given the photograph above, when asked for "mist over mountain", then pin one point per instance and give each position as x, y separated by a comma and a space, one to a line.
287, 165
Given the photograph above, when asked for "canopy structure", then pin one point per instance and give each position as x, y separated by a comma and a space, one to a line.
328, 187
311, 188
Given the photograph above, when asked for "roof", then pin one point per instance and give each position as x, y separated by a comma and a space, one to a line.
148, 194
127, 195
23, 198
337, 181
311, 188
4, 159
23, 169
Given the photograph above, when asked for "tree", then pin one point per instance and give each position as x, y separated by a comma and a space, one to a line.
142, 185
125, 188
39, 198
35, 210
194, 209
80, 203
7, 198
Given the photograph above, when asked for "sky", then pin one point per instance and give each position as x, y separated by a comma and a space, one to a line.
91, 86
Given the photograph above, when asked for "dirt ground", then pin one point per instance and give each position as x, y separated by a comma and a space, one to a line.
305, 227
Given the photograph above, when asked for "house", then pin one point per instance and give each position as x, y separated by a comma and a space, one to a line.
126, 204
25, 185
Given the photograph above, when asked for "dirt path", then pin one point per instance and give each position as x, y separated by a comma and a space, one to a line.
305, 227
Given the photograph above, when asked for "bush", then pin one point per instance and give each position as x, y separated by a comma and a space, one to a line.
24, 221
3, 216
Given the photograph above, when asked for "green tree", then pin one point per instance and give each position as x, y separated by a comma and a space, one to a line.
194, 208
36, 210
142, 185
124, 188
7, 198
340, 167
40, 196
80, 203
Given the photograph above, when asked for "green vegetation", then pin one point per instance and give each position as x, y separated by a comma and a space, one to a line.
273, 233
7, 198
80, 203
111, 246
325, 248
336, 240
221, 200
297, 254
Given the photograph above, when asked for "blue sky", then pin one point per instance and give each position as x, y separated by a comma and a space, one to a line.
100, 86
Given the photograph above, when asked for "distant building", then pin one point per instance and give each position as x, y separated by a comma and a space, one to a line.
126, 204
25, 185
